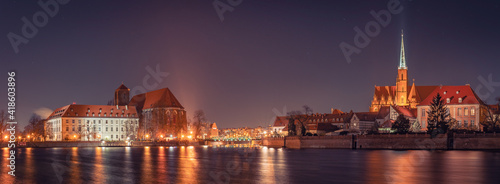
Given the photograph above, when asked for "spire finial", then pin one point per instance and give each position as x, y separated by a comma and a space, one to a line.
402, 60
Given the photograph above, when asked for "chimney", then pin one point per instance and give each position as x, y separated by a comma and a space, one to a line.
332, 111
117, 106
126, 107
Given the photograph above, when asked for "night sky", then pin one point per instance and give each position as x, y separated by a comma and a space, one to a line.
264, 55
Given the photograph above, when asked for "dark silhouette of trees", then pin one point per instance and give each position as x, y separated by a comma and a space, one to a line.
198, 120
301, 118
438, 118
402, 125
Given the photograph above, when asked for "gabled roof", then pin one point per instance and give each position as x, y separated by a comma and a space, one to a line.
366, 116
104, 111
423, 92
454, 93
156, 99
280, 121
122, 87
405, 111
383, 112
386, 92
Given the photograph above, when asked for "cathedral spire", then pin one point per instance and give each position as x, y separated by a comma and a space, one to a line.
402, 60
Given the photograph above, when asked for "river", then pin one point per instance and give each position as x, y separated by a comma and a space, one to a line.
248, 165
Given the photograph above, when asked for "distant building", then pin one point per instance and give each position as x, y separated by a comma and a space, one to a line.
92, 122
402, 94
161, 114
463, 104
280, 122
214, 132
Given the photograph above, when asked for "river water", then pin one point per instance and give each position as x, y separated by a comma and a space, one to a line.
248, 165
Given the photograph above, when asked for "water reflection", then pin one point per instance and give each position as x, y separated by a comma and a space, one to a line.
194, 165
74, 167
188, 165
98, 173
147, 166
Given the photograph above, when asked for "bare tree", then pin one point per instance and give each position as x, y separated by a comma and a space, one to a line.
198, 119
300, 118
129, 128
491, 122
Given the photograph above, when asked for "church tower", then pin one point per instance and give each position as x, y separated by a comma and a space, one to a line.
122, 95
402, 78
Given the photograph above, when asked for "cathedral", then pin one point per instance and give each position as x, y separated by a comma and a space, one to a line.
402, 94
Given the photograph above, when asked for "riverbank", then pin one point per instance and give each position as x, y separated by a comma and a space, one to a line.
390, 142
50, 144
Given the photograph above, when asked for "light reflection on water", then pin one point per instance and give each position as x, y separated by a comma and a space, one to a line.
248, 165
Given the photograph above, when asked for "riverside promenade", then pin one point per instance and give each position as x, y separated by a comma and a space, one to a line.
480, 141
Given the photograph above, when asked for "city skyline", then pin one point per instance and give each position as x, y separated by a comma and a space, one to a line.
243, 70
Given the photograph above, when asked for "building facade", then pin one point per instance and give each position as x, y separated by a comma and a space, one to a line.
402, 94
92, 123
462, 103
161, 114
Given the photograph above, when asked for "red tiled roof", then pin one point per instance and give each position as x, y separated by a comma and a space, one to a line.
366, 116
405, 111
336, 111
423, 92
383, 112
158, 98
390, 92
385, 91
465, 92
280, 121
109, 111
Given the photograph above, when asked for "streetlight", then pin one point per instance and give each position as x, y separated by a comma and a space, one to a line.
6, 137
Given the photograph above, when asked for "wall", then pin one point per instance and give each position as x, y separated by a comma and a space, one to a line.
408, 141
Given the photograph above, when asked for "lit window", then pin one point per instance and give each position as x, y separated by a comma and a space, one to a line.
458, 111
459, 100
466, 112
472, 112
447, 100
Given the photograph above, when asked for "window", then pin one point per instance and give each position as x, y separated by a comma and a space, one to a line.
100, 109
423, 112
472, 112
459, 100
67, 122
80, 121
465, 123
107, 121
79, 128
122, 136
111, 128
458, 123
471, 122
67, 129
73, 129
106, 129
88, 109
447, 100
122, 129
99, 129
458, 111
466, 112
73, 121
117, 136
117, 129
93, 114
